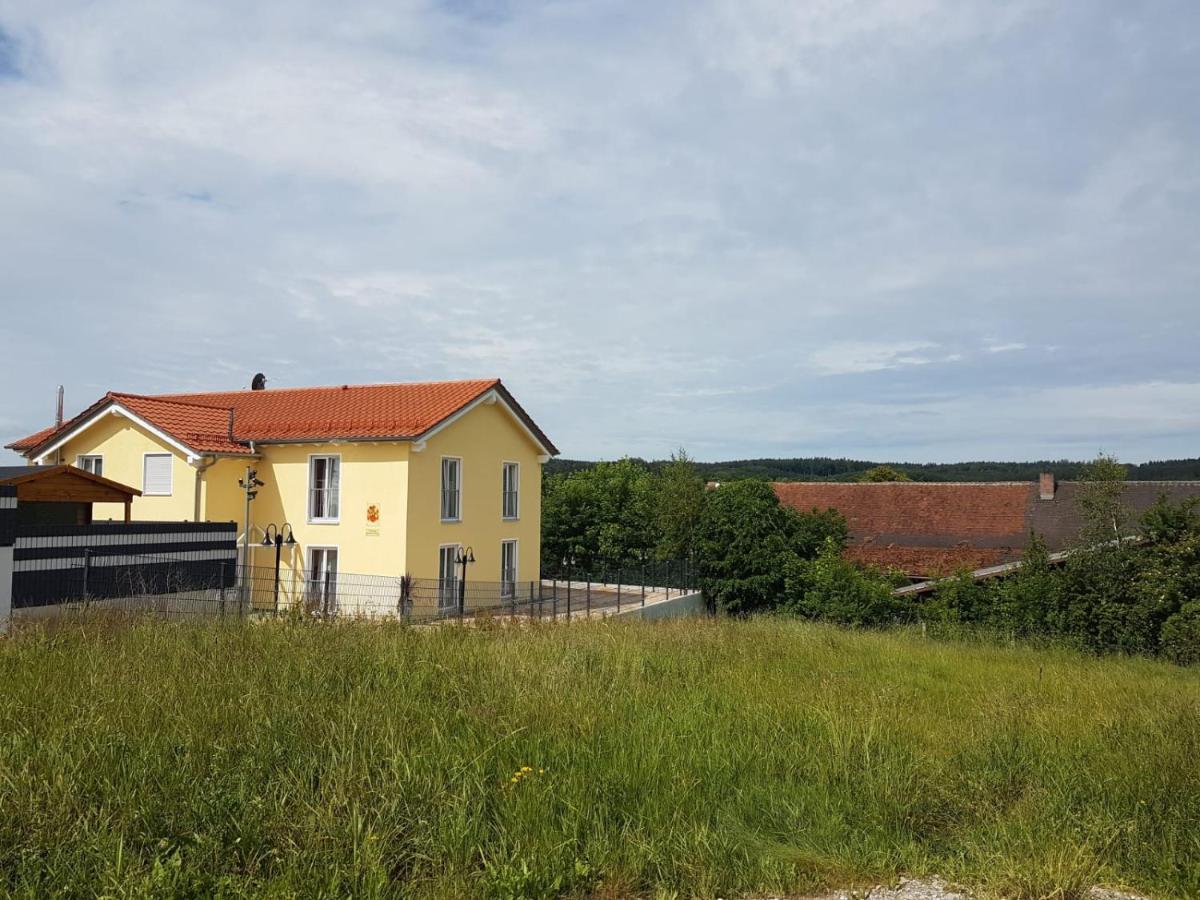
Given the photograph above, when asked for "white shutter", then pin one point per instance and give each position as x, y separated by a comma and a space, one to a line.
156, 475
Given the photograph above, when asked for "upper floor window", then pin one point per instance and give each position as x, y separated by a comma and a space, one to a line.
156, 475
324, 487
451, 489
93, 463
510, 490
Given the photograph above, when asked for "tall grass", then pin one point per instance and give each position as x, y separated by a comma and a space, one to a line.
689, 759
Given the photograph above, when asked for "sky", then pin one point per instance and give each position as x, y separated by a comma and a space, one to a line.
918, 230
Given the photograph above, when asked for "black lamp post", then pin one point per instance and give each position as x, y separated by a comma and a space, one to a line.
463, 558
569, 564
278, 535
249, 485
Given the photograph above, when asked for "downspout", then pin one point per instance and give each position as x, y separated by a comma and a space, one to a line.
201, 468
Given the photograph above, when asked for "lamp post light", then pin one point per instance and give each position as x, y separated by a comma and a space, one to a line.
463, 558
278, 535
568, 564
250, 485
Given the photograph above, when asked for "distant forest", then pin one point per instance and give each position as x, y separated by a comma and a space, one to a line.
821, 468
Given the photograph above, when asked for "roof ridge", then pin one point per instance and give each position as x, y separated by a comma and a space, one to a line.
913, 483
166, 398
169, 397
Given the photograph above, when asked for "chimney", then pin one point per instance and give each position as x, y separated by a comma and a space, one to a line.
1047, 485
58, 408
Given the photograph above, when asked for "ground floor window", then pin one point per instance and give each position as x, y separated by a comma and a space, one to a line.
448, 576
508, 568
322, 578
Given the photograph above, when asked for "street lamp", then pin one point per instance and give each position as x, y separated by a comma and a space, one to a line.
464, 559
250, 485
568, 564
278, 535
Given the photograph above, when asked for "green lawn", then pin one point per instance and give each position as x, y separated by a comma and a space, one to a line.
689, 759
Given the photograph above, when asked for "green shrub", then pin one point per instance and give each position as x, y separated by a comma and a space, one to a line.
958, 599
747, 541
833, 589
1181, 636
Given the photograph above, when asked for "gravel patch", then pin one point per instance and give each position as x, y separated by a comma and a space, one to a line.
936, 889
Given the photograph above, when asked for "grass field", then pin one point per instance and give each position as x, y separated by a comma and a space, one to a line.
679, 759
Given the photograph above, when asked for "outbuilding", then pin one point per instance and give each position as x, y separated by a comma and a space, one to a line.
62, 495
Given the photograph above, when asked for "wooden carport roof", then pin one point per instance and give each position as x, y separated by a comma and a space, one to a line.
65, 484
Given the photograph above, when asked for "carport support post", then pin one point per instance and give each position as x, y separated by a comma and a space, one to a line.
8, 537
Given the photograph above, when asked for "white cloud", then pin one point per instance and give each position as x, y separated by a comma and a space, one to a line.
766, 41
1011, 347
857, 357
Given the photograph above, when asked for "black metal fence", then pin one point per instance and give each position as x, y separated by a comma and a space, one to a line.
56, 564
196, 581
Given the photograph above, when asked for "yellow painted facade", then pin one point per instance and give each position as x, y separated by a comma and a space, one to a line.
123, 445
398, 481
483, 443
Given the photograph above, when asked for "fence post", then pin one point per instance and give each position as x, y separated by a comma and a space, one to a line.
8, 537
589, 595
618, 590
643, 584
87, 568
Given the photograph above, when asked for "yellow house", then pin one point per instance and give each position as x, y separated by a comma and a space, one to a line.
372, 482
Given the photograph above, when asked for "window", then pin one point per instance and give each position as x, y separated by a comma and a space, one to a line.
508, 568
156, 475
324, 484
451, 489
448, 577
93, 464
510, 487
322, 579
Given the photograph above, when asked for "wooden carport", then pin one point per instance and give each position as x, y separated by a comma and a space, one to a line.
66, 484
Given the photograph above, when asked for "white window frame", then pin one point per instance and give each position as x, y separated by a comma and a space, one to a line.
516, 491
442, 489
308, 497
508, 587
451, 589
310, 587
170, 475
94, 458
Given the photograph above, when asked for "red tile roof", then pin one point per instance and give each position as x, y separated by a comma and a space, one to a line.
918, 508
923, 528
926, 562
226, 421
931, 529
206, 429
31, 441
